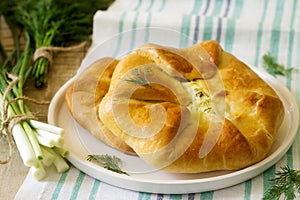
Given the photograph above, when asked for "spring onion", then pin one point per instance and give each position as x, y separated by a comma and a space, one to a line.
18, 123
22, 143
44, 23
38, 172
48, 158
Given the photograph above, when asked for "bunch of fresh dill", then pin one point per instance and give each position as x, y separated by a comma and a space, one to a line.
55, 23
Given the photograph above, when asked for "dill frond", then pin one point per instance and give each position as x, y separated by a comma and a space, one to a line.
272, 66
139, 77
108, 162
286, 183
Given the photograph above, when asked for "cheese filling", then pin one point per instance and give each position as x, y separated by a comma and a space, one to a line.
201, 100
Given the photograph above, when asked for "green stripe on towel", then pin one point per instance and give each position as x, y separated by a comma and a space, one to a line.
185, 31
163, 4
259, 34
196, 7
121, 27
138, 5
94, 190
59, 185
144, 196
134, 26
77, 185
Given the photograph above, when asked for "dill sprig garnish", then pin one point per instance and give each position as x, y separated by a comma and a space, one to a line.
139, 77
108, 162
272, 66
286, 182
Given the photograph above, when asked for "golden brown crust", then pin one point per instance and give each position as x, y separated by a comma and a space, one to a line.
84, 95
213, 48
163, 86
156, 121
180, 63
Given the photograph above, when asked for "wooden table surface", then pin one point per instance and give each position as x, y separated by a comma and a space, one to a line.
65, 65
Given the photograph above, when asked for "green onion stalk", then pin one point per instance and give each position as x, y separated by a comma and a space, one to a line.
39, 144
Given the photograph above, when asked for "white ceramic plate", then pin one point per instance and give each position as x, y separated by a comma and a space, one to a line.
143, 177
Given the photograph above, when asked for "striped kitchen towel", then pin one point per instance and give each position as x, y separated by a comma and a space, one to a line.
247, 28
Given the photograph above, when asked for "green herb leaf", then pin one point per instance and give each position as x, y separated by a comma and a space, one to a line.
271, 65
286, 182
139, 77
109, 162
